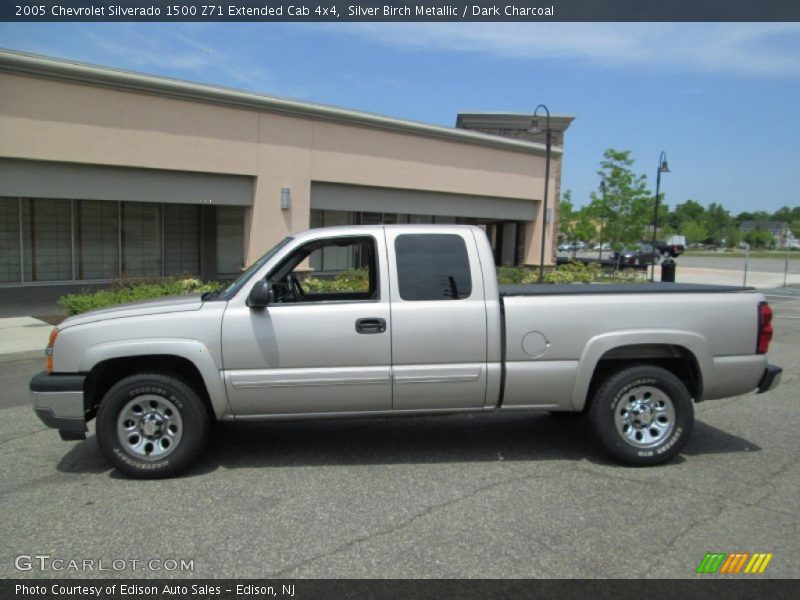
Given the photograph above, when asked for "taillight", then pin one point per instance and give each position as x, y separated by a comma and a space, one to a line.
48, 352
764, 328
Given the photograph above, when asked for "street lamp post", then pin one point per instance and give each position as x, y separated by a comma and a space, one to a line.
602, 218
662, 168
534, 128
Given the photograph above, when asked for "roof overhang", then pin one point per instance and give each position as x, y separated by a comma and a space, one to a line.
505, 120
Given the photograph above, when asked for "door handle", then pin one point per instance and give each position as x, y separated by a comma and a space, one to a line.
374, 325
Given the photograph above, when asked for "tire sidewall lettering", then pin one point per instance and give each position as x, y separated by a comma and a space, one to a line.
613, 393
155, 391
186, 402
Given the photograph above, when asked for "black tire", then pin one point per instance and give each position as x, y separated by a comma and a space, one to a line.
178, 428
655, 406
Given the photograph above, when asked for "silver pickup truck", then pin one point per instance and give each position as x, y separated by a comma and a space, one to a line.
399, 320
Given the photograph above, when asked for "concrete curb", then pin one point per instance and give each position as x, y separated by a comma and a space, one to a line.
23, 355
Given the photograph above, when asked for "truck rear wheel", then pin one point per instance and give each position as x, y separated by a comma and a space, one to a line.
642, 415
151, 425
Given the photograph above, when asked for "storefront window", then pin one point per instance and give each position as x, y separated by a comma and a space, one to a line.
96, 239
46, 239
141, 239
9, 240
230, 240
182, 239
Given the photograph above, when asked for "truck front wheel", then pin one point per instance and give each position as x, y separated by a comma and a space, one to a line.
642, 415
151, 425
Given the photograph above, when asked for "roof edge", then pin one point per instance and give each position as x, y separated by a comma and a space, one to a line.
64, 70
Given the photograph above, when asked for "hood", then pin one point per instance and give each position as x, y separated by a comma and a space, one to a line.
168, 304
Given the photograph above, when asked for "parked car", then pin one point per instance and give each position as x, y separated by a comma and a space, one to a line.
672, 246
641, 254
425, 330
571, 246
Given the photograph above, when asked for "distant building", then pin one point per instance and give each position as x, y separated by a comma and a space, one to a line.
783, 236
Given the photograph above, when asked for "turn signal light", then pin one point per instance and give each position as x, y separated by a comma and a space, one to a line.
764, 328
48, 352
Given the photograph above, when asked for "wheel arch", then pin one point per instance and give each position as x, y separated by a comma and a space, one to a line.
188, 360
685, 354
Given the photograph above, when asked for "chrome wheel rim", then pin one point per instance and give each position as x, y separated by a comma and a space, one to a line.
645, 417
149, 427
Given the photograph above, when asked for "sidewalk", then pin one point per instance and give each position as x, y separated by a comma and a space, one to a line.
727, 277
24, 337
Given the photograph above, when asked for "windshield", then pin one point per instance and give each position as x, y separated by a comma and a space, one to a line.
230, 291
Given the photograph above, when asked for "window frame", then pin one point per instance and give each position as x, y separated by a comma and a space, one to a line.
374, 270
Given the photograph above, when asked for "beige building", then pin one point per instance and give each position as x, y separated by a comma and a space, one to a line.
106, 172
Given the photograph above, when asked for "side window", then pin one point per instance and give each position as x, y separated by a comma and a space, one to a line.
329, 270
432, 267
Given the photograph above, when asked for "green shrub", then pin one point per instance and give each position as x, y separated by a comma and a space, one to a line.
132, 290
351, 280
575, 272
516, 276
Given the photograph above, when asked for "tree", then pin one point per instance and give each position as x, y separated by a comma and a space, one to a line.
572, 224
695, 231
585, 226
628, 204
721, 226
784, 214
759, 215
566, 215
690, 210
759, 238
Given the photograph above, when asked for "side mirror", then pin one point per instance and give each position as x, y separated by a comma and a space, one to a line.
261, 295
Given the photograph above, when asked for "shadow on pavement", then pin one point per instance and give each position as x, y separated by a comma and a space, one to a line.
710, 440
84, 457
411, 440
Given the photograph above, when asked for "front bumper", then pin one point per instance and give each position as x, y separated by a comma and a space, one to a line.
770, 379
58, 402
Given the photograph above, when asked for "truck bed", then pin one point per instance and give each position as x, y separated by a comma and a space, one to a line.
570, 289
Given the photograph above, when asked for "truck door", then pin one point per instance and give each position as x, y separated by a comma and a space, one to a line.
323, 344
439, 336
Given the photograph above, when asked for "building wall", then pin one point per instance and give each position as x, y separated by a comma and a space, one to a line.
52, 120
516, 126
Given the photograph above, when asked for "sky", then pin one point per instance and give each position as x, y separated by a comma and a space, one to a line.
722, 100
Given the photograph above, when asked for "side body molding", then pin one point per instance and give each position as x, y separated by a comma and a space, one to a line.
599, 345
192, 350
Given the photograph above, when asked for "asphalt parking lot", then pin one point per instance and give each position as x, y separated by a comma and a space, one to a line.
504, 496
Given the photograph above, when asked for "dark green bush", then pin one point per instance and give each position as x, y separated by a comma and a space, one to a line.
516, 275
133, 290
351, 280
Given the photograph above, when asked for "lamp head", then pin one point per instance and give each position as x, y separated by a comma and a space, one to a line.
535, 128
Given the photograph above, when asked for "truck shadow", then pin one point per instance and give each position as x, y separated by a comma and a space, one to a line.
406, 440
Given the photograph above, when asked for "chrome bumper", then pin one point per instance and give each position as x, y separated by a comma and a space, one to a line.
58, 402
770, 379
